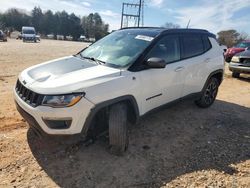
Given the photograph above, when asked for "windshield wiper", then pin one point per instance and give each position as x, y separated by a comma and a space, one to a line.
93, 59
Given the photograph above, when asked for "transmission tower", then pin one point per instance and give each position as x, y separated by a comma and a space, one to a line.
132, 14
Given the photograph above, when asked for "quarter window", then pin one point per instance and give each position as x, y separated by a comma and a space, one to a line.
206, 42
166, 48
192, 45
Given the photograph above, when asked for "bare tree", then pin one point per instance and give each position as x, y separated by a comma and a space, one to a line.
228, 38
231, 37
170, 25
243, 36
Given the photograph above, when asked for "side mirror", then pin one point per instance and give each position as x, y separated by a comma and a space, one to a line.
156, 63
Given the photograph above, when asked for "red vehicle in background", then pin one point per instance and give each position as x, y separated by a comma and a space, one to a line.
236, 49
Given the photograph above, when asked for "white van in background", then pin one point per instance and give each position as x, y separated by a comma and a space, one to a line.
28, 34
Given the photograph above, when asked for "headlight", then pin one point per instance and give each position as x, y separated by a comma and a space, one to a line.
58, 101
235, 59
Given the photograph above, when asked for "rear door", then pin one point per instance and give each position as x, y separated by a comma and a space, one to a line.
196, 58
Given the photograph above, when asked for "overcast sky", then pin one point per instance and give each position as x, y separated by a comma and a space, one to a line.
214, 15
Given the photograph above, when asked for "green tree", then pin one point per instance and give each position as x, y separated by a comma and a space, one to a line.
48, 23
37, 18
14, 19
75, 28
93, 26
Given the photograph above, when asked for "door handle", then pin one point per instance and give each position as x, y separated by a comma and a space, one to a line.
179, 69
207, 60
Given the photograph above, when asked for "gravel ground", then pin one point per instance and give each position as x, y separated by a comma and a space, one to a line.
181, 146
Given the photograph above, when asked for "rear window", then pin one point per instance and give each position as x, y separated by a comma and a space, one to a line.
192, 45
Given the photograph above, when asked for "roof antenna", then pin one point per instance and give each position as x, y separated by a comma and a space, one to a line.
188, 23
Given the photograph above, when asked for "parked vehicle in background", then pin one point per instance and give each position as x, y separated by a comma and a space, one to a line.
38, 38
59, 37
69, 37
240, 63
224, 48
236, 49
29, 34
50, 36
3, 36
91, 39
82, 38
118, 79
19, 36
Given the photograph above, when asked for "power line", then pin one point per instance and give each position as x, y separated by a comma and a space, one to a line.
132, 12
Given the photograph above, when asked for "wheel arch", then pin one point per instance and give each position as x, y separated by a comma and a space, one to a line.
217, 74
133, 113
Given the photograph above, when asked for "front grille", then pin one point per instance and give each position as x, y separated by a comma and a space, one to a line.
30, 97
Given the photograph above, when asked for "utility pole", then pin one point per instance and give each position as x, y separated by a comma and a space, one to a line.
132, 11
139, 13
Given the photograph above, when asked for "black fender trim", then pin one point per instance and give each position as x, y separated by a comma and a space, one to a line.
211, 75
130, 98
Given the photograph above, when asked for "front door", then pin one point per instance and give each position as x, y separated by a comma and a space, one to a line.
160, 86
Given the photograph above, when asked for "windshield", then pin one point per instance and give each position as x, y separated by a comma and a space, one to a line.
29, 31
243, 45
118, 49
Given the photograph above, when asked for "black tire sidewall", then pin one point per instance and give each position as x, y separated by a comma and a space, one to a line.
201, 102
235, 74
118, 128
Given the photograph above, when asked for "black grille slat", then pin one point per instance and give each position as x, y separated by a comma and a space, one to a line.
35, 99
30, 97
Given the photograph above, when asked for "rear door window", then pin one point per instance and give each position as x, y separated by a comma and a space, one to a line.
192, 46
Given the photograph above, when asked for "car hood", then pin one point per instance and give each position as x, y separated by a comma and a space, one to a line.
233, 49
66, 75
244, 54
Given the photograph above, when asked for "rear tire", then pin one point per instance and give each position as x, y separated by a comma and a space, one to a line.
208, 94
118, 131
235, 74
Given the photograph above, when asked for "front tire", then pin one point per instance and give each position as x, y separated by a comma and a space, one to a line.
235, 74
118, 131
209, 93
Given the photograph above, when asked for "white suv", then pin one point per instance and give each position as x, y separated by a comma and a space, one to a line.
118, 79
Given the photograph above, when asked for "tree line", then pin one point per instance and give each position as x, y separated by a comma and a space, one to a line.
58, 23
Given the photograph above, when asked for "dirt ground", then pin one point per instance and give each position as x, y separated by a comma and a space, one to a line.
181, 146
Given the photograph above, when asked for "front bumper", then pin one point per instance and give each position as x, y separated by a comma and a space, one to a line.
239, 67
29, 38
36, 116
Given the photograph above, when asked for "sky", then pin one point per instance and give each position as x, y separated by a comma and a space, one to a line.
213, 15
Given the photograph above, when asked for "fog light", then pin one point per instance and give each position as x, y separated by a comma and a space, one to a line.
58, 124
